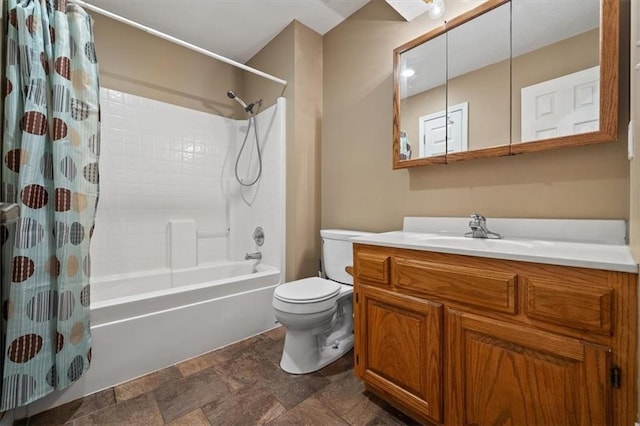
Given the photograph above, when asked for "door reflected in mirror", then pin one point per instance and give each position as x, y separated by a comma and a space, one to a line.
423, 78
556, 72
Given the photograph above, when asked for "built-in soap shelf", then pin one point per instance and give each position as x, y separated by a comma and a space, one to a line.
182, 240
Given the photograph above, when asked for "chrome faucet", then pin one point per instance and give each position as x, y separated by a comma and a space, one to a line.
478, 225
253, 256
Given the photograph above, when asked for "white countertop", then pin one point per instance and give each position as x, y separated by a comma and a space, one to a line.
611, 257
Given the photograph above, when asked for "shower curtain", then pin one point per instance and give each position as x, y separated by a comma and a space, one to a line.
50, 156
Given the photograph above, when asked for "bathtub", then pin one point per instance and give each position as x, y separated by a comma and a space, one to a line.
148, 321
118, 297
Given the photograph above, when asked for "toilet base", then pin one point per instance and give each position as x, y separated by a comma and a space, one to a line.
316, 340
302, 353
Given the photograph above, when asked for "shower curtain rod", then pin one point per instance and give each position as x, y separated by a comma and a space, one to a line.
177, 41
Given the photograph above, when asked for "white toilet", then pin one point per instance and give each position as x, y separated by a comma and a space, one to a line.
318, 312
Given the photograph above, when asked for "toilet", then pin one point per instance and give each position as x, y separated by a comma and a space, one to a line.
317, 313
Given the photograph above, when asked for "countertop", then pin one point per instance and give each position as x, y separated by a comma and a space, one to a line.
611, 257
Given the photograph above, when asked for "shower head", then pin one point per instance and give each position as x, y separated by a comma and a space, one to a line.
231, 94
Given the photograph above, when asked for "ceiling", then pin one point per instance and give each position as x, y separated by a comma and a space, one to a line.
237, 29
408, 9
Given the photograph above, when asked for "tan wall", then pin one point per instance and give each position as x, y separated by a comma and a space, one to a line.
359, 188
634, 215
296, 55
304, 252
489, 87
634, 212
277, 59
135, 62
488, 124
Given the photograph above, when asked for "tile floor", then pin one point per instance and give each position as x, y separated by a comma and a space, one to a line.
241, 384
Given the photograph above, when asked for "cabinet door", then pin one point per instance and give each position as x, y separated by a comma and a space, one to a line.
399, 348
509, 374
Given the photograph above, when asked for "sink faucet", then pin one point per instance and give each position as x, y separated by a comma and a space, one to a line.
255, 256
478, 225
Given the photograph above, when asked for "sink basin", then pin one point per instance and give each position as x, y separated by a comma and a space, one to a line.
462, 242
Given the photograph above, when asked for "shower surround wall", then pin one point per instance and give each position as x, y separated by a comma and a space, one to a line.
262, 204
161, 162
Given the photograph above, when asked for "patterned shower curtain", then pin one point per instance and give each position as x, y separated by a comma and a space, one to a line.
50, 168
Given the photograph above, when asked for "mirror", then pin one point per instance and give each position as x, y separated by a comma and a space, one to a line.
556, 69
420, 75
423, 78
519, 76
479, 83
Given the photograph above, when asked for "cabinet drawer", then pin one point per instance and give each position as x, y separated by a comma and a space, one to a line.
373, 267
571, 305
482, 288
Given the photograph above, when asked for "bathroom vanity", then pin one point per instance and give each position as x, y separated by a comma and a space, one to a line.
457, 331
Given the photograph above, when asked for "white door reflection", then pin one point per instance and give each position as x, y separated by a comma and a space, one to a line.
438, 138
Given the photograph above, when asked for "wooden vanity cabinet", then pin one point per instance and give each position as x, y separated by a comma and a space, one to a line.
463, 340
502, 373
401, 352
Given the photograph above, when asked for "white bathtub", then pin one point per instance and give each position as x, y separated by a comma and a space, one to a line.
118, 297
144, 322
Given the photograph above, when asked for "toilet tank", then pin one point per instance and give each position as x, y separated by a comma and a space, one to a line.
337, 252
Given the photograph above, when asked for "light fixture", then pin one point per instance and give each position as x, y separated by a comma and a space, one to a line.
435, 8
408, 72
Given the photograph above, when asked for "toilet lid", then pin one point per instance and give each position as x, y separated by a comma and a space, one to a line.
307, 290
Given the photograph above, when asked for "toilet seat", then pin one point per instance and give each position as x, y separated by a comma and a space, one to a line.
307, 290
306, 296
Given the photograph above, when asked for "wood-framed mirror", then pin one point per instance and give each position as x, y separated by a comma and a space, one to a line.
505, 78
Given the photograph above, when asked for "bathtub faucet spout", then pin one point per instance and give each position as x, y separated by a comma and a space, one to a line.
255, 256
